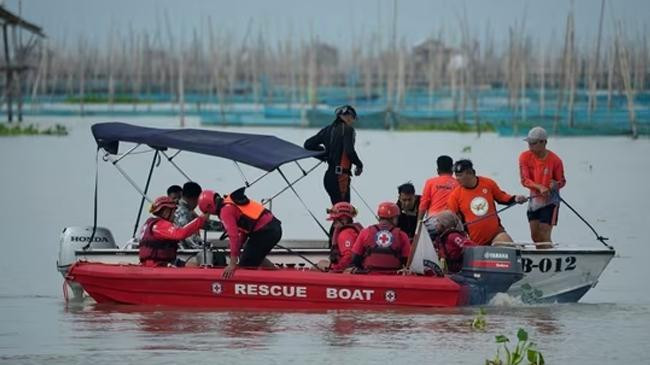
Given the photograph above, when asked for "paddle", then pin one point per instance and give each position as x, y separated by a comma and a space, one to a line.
598, 237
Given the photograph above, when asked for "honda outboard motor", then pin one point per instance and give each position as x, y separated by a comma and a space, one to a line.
76, 238
488, 270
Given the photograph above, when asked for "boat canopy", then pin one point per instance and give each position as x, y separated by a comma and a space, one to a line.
258, 150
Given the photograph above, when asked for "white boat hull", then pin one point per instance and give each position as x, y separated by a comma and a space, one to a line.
559, 274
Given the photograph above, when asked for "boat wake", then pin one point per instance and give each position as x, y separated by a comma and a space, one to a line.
505, 300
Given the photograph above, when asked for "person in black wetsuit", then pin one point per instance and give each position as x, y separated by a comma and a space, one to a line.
408, 203
337, 141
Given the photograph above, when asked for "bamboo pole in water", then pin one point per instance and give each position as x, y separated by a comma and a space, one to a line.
624, 59
595, 70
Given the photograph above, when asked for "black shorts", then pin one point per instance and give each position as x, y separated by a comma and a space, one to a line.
260, 243
547, 214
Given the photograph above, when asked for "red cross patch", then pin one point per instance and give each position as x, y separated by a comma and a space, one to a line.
383, 238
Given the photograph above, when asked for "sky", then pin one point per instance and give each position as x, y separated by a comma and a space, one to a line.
339, 22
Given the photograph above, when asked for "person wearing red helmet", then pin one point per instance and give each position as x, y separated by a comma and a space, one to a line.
160, 237
344, 234
248, 224
383, 246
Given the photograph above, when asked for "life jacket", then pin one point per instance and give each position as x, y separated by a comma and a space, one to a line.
250, 213
454, 261
335, 253
383, 251
156, 250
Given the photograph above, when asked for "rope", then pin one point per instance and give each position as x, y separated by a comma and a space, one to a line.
598, 236
364, 201
303, 203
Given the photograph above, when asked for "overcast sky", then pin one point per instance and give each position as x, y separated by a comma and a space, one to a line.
334, 21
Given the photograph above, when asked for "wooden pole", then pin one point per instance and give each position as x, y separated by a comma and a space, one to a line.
8, 72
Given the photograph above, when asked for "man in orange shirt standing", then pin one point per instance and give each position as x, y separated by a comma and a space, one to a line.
542, 172
474, 201
437, 189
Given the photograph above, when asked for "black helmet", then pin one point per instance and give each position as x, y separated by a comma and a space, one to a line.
345, 110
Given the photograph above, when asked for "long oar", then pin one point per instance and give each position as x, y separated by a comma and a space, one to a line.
598, 237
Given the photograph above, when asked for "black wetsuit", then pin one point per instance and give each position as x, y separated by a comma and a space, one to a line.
337, 140
408, 221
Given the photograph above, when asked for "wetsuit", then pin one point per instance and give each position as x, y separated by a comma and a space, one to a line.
408, 220
337, 141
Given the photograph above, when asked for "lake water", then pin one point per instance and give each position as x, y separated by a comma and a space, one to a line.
47, 184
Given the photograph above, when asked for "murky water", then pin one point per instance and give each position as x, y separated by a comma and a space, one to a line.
47, 184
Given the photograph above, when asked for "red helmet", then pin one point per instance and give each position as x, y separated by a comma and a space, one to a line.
387, 210
160, 203
341, 209
206, 202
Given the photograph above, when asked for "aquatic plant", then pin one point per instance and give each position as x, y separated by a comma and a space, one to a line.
479, 322
32, 130
524, 350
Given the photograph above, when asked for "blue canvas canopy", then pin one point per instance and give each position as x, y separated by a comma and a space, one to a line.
261, 151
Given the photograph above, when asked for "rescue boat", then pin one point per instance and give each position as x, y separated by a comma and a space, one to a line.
559, 274
486, 271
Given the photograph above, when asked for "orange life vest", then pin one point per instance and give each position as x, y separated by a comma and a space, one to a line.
250, 213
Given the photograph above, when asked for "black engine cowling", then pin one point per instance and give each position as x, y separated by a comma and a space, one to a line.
488, 270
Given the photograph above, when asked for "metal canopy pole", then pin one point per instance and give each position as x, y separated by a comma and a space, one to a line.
171, 161
305, 173
146, 188
303, 203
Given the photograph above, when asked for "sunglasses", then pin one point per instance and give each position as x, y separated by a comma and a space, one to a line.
532, 143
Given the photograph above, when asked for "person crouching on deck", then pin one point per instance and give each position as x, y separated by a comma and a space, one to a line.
449, 239
248, 224
383, 246
344, 234
160, 237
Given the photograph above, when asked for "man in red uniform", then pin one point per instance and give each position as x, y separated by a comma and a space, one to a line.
248, 224
437, 189
345, 232
160, 237
449, 239
383, 246
474, 201
542, 172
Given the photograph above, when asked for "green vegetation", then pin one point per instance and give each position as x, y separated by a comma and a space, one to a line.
524, 350
32, 130
452, 126
479, 323
104, 99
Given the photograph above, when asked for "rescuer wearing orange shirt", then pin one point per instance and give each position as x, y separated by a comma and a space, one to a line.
474, 201
437, 189
542, 172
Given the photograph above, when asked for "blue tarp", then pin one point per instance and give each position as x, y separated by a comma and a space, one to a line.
261, 151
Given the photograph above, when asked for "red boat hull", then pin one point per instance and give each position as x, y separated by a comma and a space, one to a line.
284, 288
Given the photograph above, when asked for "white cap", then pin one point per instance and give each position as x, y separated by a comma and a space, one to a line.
536, 134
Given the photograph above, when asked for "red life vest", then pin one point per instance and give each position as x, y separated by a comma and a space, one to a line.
250, 214
159, 251
451, 249
383, 251
335, 253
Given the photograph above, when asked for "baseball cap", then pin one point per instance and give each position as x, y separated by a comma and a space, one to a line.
463, 165
536, 134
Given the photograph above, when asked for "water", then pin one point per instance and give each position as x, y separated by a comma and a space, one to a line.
47, 184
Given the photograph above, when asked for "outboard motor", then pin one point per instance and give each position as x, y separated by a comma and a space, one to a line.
76, 238
488, 270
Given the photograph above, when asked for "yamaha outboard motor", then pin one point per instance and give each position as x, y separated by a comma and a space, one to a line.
488, 270
76, 238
